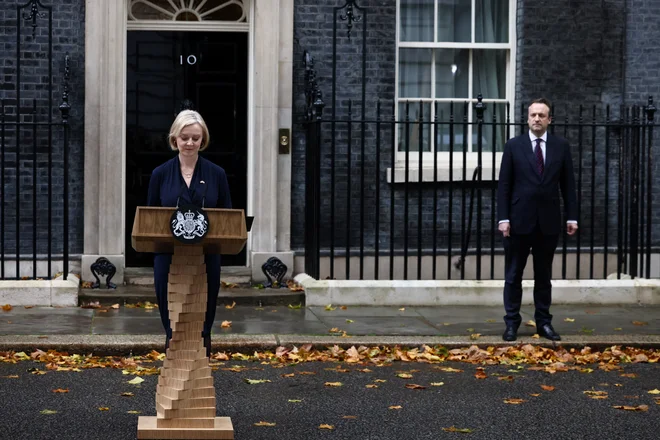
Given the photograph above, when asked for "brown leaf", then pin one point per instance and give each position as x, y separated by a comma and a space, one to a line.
414, 386
289, 375
349, 417
535, 394
631, 375
507, 378
372, 385
548, 387
514, 401
7, 307
104, 408
28, 307
632, 408
60, 390
640, 323
480, 374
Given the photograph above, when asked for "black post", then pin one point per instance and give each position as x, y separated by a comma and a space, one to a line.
377, 189
607, 193
634, 195
65, 107
479, 108
34, 189
650, 115
2, 189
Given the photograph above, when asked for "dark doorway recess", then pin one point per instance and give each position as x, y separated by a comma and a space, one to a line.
167, 71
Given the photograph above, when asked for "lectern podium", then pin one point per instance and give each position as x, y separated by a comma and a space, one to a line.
185, 395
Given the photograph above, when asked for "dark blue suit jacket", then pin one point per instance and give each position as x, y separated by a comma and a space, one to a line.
526, 198
167, 184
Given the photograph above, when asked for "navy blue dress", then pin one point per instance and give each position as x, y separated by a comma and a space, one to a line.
209, 181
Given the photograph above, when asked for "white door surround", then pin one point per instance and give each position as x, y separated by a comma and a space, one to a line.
270, 26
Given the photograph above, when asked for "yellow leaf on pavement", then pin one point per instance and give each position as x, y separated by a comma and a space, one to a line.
395, 407
655, 391
475, 336
514, 401
548, 387
380, 380
535, 336
256, 381
437, 384
225, 324
350, 417
233, 304
569, 319
104, 408
262, 423
402, 309
127, 394
48, 411
7, 307
530, 323
326, 426
372, 385
60, 390
136, 381
329, 308
114, 306
414, 386
404, 375
333, 384
134, 412
455, 429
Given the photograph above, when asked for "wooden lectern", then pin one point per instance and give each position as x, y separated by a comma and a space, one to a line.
185, 396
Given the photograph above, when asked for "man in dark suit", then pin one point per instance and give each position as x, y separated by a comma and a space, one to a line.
535, 167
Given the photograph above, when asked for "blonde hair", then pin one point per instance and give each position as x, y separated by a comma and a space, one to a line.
184, 119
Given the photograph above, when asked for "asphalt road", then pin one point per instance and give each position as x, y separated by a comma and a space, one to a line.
298, 405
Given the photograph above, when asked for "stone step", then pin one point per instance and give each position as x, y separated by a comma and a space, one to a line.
241, 295
144, 276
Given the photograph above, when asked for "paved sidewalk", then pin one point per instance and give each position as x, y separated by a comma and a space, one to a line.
125, 329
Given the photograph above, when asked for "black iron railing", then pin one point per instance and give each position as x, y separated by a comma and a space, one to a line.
369, 200
34, 155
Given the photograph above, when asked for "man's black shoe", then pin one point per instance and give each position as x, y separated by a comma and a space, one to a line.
510, 334
548, 332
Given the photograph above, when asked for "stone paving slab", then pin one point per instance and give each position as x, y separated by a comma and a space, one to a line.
627, 322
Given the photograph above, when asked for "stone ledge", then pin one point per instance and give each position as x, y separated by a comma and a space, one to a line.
48, 293
469, 292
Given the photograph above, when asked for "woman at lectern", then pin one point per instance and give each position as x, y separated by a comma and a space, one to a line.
188, 178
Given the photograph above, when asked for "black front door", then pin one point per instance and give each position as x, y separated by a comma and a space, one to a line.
168, 71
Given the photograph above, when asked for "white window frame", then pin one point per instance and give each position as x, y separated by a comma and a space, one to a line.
443, 156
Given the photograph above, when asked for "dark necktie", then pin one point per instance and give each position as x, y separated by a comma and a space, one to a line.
539, 156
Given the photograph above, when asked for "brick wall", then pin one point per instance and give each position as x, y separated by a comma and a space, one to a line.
67, 37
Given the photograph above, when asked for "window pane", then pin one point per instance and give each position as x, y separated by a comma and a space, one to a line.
415, 73
489, 74
418, 127
452, 73
416, 18
445, 131
454, 20
491, 21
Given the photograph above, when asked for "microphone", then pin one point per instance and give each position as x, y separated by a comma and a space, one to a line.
201, 182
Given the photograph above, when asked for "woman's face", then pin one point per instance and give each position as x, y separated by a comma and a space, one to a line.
189, 140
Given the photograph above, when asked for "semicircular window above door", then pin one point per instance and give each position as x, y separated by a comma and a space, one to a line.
188, 10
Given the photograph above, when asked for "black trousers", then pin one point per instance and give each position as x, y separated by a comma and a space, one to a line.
161, 272
516, 252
